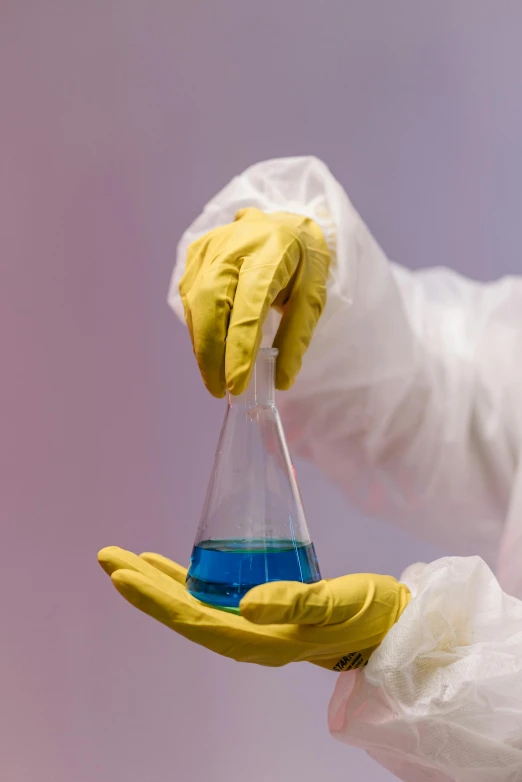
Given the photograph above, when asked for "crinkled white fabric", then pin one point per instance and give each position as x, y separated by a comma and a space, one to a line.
410, 398
441, 699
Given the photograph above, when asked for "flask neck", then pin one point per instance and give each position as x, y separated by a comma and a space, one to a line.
261, 389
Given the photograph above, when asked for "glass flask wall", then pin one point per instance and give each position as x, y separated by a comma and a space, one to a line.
253, 528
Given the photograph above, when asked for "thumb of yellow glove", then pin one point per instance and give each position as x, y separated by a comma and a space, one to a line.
347, 616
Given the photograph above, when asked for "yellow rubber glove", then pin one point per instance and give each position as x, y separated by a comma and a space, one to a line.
335, 624
233, 275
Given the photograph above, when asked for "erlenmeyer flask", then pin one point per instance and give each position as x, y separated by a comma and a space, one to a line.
253, 528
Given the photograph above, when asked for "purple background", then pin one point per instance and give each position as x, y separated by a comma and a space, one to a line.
118, 120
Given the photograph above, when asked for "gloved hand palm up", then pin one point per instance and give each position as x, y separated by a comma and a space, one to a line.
233, 275
335, 624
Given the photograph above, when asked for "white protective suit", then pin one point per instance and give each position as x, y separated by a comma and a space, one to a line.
409, 399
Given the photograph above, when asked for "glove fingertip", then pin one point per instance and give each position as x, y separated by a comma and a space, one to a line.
291, 350
239, 366
256, 614
212, 377
262, 607
217, 393
136, 588
108, 558
248, 610
121, 578
284, 378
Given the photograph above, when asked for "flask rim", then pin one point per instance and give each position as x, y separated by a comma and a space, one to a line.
268, 353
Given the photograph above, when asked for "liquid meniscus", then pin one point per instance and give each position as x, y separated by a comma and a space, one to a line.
222, 571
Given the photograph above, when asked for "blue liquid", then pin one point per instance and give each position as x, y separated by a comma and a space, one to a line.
222, 571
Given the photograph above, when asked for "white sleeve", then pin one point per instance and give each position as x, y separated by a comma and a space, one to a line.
407, 393
441, 699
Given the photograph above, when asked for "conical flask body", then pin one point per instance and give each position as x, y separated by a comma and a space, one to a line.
253, 528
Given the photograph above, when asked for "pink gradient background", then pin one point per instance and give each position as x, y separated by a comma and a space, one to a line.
118, 119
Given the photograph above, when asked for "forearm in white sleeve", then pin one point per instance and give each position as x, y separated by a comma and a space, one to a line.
441, 698
406, 395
